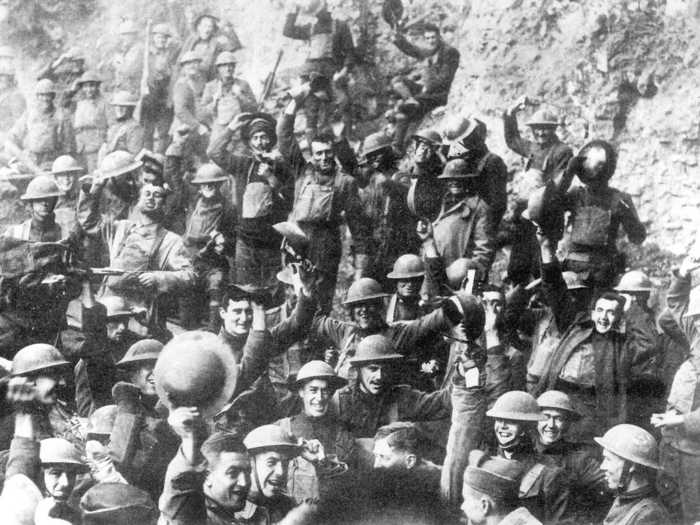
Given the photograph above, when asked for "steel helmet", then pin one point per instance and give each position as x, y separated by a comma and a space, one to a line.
516, 406
35, 358
209, 173
375, 349
319, 370
634, 281
473, 314
141, 351
226, 57
429, 136
89, 76
196, 369
118, 163
127, 27
197, 20
101, 421
116, 306
59, 451
457, 169
573, 281
41, 187
271, 437
45, 86
190, 56
124, 98
376, 142
543, 118
458, 270
458, 127
162, 29
560, 401
364, 290
66, 164
632, 443
408, 266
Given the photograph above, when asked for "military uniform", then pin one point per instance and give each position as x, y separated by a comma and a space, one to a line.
128, 68
127, 135
43, 137
156, 107
221, 103
187, 94
90, 122
208, 50
639, 507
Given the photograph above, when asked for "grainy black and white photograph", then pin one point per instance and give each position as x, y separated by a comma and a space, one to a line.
349, 262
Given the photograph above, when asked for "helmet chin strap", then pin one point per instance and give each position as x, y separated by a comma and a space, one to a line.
625, 477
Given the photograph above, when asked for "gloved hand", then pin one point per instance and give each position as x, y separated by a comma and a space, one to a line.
127, 396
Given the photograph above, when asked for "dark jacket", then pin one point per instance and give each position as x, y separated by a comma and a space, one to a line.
548, 159
343, 48
641, 507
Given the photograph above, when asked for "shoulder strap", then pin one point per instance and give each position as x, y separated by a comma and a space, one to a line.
158, 241
529, 479
482, 163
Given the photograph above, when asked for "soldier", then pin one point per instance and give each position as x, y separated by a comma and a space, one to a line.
42, 133
65, 170
207, 43
117, 504
64, 73
365, 302
36, 308
405, 304
463, 228
315, 384
491, 492
128, 59
271, 449
580, 461
141, 442
154, 259
187, 93
322, 194
384, 203
209, 238
219, 495
373, 398
430, 86
331, 56
260, 192
597, 211
467, 140
592, 361
543, 489
226, 96
156, 106
90, 120
629, 463
125, 134
425, 190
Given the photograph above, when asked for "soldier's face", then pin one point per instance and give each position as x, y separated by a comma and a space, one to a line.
191, 69
91, 89
456, 187
209, 191
42, 208
322, 156
422, 153
492, 301
508, 431
544, 136
432, 40
373, 378
142, 377
553, 427
612, 466
391, 458
123, 112
594, 165
475, 506
44, 102
65, 181
151, 198
237, 317
271, 468
315, 394
46, 387
228, 480
117, 328
367, 315
605, 315
226, 71
160, 41
59, 481
205, 28
260, 141
409, 288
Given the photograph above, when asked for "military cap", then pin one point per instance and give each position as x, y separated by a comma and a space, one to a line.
375, 349
457, 169
319, 370
494, 476
271, 437
190, 56
117, 504
543, 118
59, 451
141, 351
226, 57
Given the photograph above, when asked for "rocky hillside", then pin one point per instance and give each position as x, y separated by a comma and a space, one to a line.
621, 70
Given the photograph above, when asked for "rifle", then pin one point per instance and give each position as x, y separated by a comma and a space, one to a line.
144, 89
270, 81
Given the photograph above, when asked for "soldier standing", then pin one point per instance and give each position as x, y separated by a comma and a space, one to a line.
207, 43
187, 94
90, 120
128, 60
126, 134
